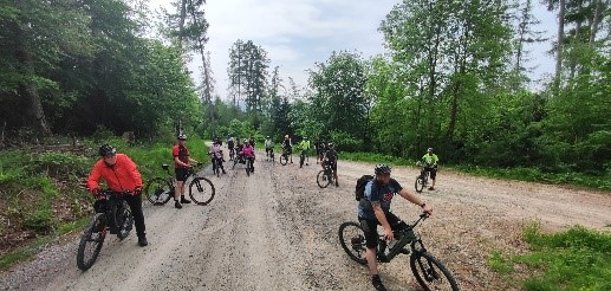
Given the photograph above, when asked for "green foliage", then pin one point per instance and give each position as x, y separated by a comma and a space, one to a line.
576, 259
499, 263
41, 220
338, 98
22, 254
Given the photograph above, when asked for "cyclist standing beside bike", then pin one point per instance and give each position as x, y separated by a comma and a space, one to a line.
121, 175
287, 146
305, 147
430, 164
374, 209
330, 159
269, 146
181, 168
216, 152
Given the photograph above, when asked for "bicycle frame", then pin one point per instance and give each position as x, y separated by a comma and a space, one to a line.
408, 236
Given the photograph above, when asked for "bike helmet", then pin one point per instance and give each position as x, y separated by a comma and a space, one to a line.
286, 136
107, 150
429, 150
331, 145
182, 136
382, 169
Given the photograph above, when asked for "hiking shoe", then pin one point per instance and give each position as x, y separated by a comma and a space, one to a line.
184, 200
431, 188
142, 241
336, 184
177, 204
377, 283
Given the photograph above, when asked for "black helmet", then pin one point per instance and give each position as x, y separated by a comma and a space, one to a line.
382, 169
107, 150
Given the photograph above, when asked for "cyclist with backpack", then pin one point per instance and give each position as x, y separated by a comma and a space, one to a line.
430, 164
375, 195
330, 159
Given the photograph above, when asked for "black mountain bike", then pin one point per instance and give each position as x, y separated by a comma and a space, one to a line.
216, 166
302, 158
430, 273
159, 190
284, 157
269, 156
112, 215
249, 167
325, 177
231, 154
422, 181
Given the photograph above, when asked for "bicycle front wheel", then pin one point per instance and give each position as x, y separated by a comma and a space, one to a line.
91, 242
352, 239
322, 179
284, 159
431, 273
158, 191
201, 190
419, 185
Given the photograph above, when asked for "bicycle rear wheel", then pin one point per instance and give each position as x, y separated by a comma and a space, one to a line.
158, 191
201, 190
431, 273
91, 242
322, 179
352, 239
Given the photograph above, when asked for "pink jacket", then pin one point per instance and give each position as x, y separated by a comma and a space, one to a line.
248, 151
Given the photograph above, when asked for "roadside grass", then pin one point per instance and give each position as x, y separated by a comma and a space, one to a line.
574, 259
521, 173
41, 193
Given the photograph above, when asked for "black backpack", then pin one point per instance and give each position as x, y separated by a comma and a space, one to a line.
360, 186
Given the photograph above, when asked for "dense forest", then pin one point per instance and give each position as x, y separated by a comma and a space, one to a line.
455, 78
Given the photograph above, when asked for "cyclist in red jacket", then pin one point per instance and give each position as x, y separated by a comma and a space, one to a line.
121, 175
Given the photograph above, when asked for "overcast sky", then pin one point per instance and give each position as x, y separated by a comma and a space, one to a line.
298, 33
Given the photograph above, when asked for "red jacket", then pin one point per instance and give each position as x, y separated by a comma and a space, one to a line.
122, 176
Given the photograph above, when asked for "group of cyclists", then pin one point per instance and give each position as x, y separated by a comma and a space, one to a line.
121, 175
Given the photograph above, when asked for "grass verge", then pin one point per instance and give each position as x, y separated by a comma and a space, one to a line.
40, 192
521, 174
575, 259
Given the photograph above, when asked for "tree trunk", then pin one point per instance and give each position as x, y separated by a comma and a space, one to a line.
561, 12
596, 21
30, 91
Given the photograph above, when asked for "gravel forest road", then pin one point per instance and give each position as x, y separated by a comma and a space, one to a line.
276, 230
